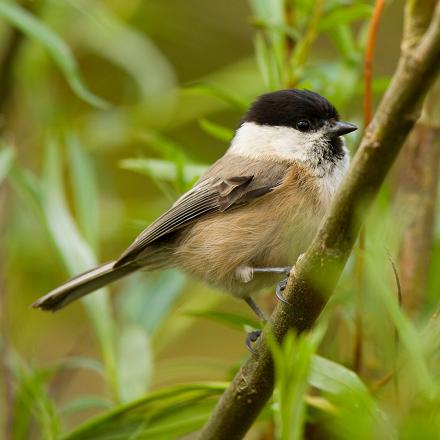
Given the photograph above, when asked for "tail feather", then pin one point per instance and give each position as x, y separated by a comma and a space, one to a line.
82, 285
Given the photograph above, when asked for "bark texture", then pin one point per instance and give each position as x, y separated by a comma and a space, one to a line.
417, 194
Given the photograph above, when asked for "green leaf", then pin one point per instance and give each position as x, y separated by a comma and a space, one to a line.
342, 37
77, 256
85, 403
148, 298
85, 191
102, 31
411, 340
213, 90
29, 187
268, 67
6, 160
334, 378
292, 366
165, 414
270, 43
172, 151
135, 363
357, 411
84, 363
233, 320
72, 247
344, 15
217, 131
32, 403
262, 23
166, 147
165, 170
58, 50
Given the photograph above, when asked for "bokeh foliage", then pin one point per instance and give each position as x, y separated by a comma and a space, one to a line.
114, 109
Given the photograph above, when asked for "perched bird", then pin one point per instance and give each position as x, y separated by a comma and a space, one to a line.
252, 213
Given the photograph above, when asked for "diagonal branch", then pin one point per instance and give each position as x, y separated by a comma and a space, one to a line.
318, 272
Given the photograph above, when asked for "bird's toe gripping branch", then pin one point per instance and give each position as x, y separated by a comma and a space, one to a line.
251, 338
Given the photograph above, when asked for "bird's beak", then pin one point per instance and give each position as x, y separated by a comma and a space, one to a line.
339, 128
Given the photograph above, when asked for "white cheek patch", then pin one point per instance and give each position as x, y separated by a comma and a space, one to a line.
263, 141
285, 143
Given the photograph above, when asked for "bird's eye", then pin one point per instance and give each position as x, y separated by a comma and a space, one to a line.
303, 125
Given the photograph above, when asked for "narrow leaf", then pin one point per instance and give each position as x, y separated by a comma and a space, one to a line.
345, 15
292, 365
55, 46
213, 90
233, 320
159, 169
148, 298
85, 403
32, 403
85, 190
135, 364
217, 131
76, 255
165, 414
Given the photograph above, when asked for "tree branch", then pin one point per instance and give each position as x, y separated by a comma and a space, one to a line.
318, 272
417, 194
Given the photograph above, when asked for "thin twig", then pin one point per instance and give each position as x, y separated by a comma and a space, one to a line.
319, 270
368, 113
369, 57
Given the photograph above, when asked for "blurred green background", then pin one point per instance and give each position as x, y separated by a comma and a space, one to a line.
109, 110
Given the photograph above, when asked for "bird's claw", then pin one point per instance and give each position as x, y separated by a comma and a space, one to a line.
251, 338
281, 286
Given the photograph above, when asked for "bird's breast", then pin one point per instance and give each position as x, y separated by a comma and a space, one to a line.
272, 230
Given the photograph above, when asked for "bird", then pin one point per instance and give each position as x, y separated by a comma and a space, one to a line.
251, 214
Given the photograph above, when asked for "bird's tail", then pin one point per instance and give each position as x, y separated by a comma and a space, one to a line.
82, 285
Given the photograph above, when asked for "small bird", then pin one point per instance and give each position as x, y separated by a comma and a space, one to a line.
252, 213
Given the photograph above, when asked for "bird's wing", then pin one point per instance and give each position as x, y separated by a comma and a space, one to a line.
211, 194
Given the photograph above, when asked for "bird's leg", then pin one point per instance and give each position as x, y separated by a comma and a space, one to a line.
253, 305
246, 273
281, 270
255, 334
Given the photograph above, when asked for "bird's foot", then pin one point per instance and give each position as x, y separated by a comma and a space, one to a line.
251, 338
281, 286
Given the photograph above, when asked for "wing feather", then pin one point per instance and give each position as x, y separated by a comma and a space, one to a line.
211, 194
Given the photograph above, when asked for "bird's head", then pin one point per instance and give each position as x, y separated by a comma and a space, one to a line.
292, 124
